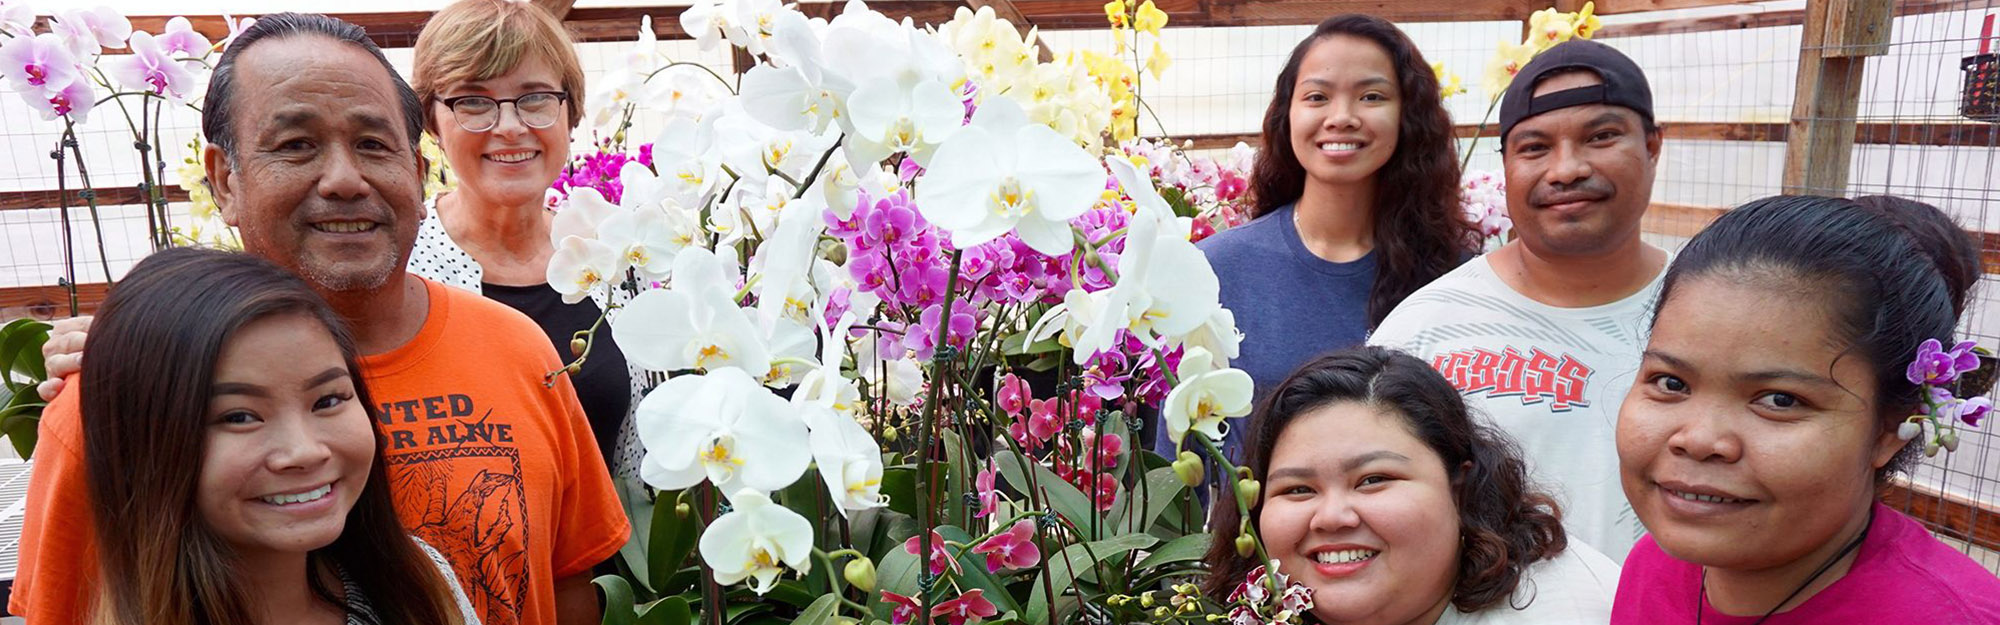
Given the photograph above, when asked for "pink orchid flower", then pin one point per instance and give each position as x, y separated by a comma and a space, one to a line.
17, 18
181, 38
1014, 394
989, 494
149, 69
236, 27
87, 31
970, 607
1042, 420
38, 63
1012, 549
74, 101
906, 608
940, 556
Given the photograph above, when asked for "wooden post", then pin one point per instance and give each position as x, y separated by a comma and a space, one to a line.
1839, 36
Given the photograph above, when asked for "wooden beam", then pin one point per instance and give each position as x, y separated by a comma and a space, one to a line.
1947, 514
49, 302
1932, 134
1821, 140
1613, 7
557, 8
1006, 10
113, 196
1768, 19
1678, 220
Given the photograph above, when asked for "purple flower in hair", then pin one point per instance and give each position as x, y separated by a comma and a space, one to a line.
1933, 365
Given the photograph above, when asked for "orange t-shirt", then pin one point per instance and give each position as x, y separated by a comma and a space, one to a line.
495, 470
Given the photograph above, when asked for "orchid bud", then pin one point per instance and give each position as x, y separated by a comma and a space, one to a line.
1950, 440
1930, 449
1245, 545
683, 510
1909, 430
1189, 469
1247, 490
889, 434
576, 346
861, 573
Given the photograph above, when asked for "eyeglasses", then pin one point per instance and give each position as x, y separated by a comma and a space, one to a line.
478, 113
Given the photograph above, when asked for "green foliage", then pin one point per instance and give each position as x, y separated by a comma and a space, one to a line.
21, 369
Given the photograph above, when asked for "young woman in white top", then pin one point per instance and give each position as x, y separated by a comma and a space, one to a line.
1384, 496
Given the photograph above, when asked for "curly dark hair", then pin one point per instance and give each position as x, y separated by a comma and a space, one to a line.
1505, 523
1420, 228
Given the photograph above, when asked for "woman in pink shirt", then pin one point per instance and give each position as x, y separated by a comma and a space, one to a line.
1775, 400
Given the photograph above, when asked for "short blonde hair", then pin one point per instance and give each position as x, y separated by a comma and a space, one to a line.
473, 40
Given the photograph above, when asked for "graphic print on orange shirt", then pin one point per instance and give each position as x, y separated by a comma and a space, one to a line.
1534, 377
469, 472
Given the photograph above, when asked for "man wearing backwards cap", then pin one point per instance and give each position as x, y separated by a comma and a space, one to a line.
1544, 334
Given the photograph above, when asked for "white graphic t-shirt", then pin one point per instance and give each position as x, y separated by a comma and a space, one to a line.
1552, 378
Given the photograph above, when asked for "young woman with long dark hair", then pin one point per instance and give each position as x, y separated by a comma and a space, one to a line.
1384, 496
1355, 199
235, 471
1773, 405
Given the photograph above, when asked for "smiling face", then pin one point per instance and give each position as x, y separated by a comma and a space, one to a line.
1360, 510
287, 449
1579, 178
510, 164
324, 181
1345, 111
1749, 440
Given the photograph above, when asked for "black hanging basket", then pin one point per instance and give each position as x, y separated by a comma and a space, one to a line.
1981, 99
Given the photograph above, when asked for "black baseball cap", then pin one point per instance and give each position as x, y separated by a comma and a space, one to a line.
1624, 85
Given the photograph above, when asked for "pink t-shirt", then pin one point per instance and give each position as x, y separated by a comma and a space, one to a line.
1902, 574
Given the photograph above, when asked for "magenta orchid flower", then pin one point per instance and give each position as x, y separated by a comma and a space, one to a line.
905, 610
968, 608
1012, 549
36, 64
940, 556
1014, 394
1937, 366
181, 38
1970, 411
149, 69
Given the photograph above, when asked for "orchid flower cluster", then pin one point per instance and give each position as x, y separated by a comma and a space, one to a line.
1935, 370
1214, 191
1484, 196
865, 251
1250, 603
65, 74
1545, 29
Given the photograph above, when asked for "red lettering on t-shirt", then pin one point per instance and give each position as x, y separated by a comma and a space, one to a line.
1534, 377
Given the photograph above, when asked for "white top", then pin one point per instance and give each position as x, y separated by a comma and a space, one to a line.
437, 258
1573, 588
1552, 378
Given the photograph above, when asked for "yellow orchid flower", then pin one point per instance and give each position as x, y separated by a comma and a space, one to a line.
1548, 27
1150, 19
1587, 22
1448, 83
1158, 61
1506, 62
1115, 11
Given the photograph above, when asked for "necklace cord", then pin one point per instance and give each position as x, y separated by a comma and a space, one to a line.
1701, 598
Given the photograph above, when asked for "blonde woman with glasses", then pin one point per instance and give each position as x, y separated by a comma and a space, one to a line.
502, 89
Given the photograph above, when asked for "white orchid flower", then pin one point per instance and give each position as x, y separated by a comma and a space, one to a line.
757, 540
581, 215
1165, 290
704, 20
694, 323
904, 380
648, 239
1205, 397
644, 55
1147, 198
681, 92
752, 23
1004, 174
686, 158
1071, 321
849, 460
723, 428
581, 266
1218, 336
890, 118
